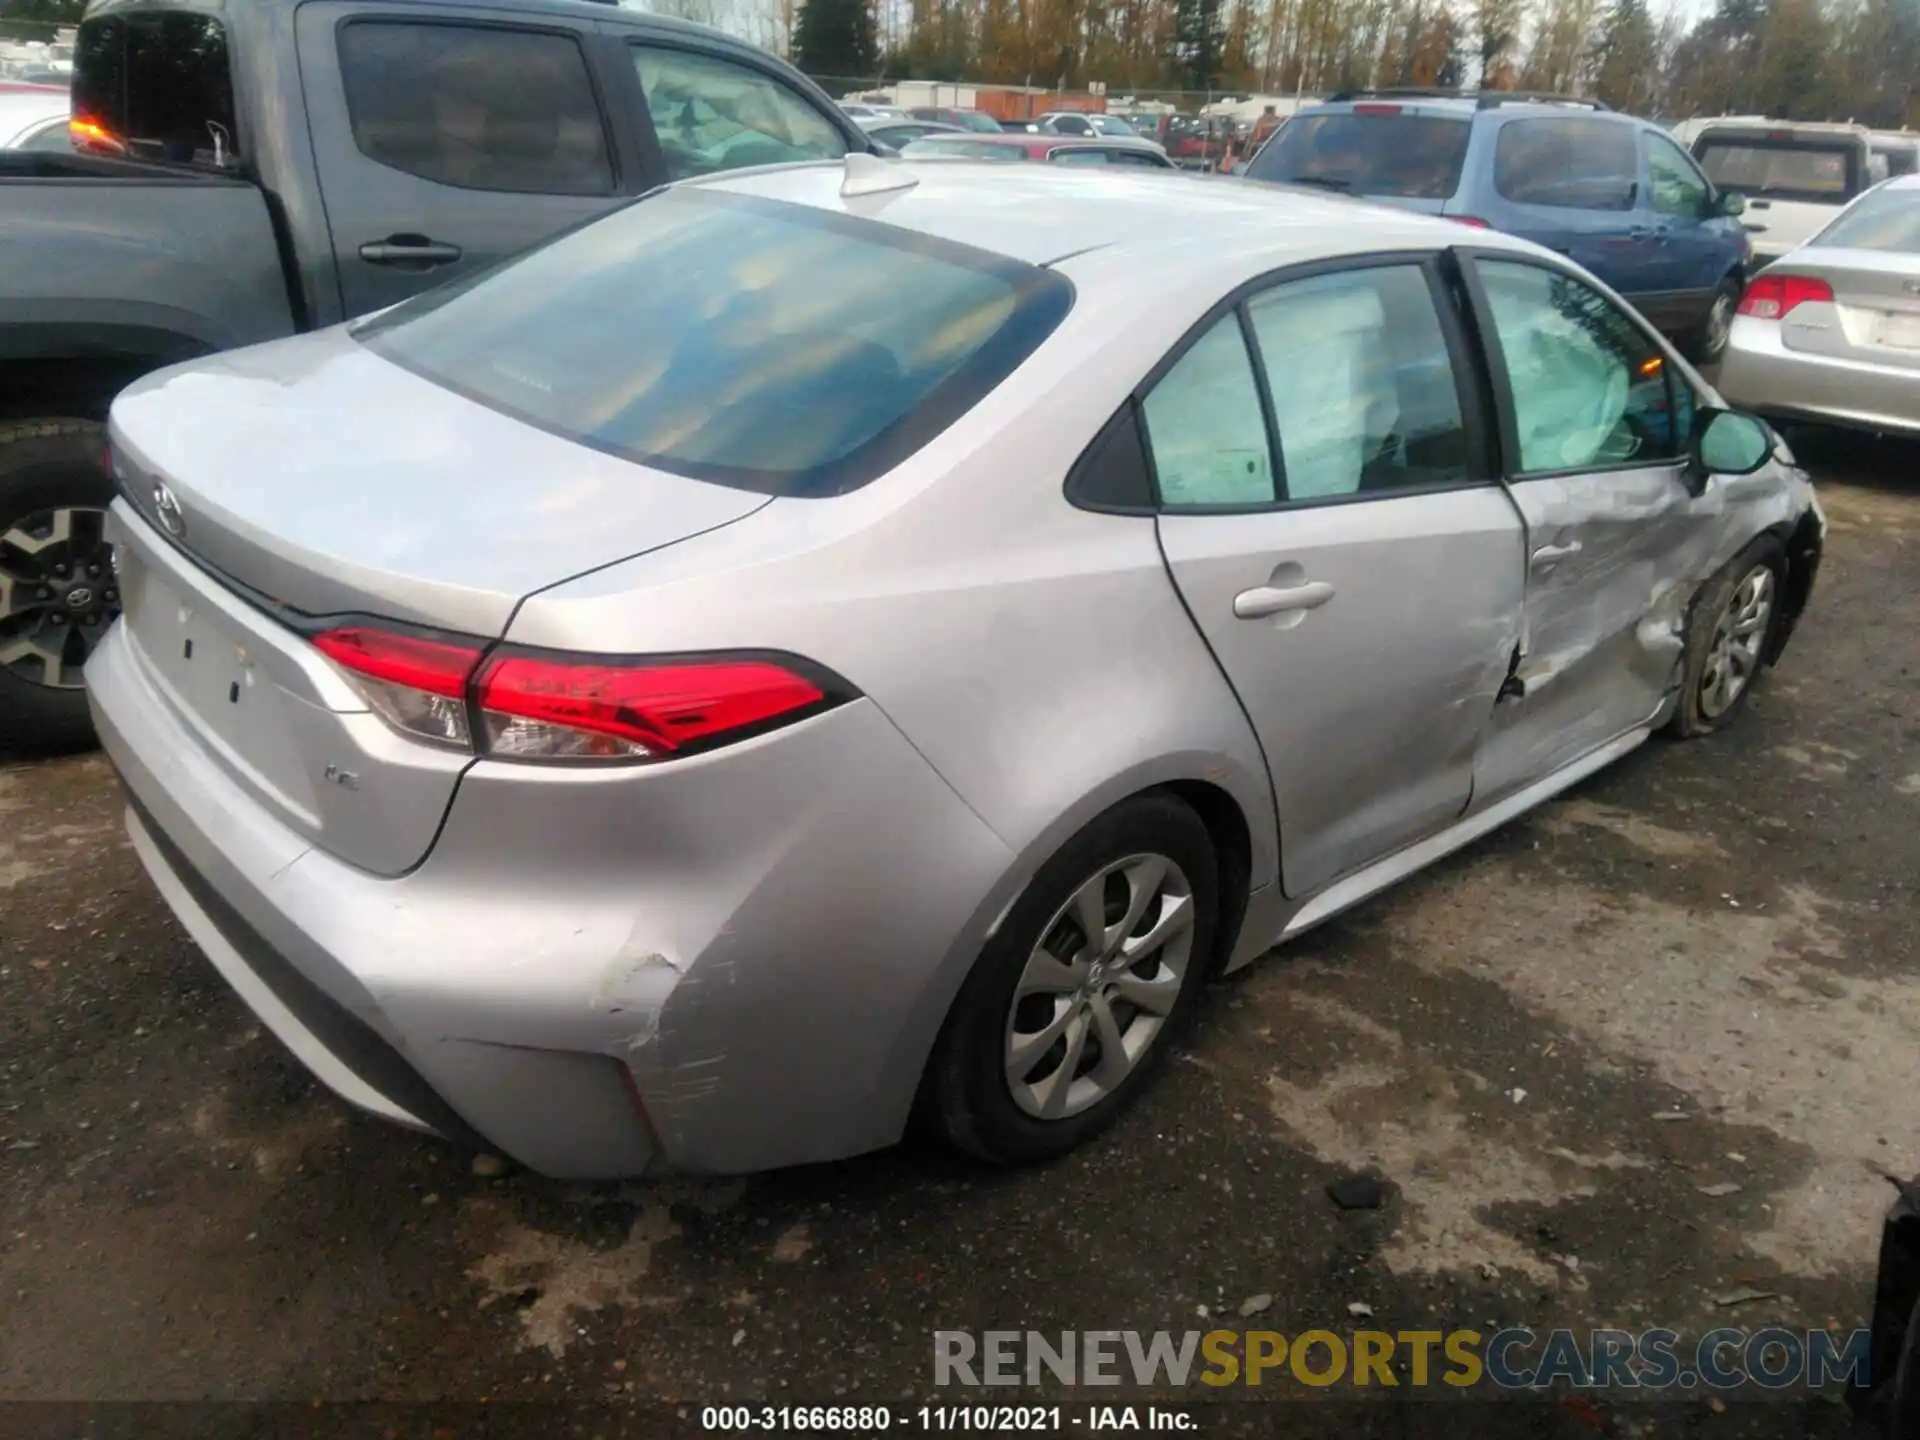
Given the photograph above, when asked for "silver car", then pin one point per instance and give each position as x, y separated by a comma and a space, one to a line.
834, 642
1831, 332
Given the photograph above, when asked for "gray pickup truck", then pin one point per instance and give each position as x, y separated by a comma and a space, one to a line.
244, 169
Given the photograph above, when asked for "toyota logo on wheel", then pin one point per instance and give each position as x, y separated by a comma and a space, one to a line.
168, 509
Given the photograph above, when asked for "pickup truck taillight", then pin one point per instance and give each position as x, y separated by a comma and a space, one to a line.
533, 705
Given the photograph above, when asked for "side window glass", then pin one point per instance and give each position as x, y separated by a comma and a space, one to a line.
1080, 155
1578, 164
1678, 188
712, 114
1205, 426
1363, 388
480, 108
1589, 388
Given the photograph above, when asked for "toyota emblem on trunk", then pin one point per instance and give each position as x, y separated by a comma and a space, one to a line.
168, 509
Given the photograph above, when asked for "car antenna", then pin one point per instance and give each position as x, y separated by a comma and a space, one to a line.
870, 175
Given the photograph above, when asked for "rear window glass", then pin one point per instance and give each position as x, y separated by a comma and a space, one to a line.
1781, 168
773, 347
1885, 220
483, 109
1418, 156
155, 85
1576, 164
967, 149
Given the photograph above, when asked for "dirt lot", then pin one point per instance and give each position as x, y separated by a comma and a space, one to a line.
1723, 931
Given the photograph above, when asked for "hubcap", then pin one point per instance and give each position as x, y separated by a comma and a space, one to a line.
1738, 636
58, 594
1098, 988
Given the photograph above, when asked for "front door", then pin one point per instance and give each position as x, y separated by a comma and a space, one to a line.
447, 142
1697, 248
1595, 427
1325, 515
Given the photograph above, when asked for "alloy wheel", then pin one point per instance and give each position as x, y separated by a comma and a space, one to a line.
58, 594
1738, 637
1100, 986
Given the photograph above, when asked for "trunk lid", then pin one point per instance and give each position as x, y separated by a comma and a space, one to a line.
438, 512
1875, 314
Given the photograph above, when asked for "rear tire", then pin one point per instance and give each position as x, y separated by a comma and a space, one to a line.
53, 484
1051, 1036
1729, 633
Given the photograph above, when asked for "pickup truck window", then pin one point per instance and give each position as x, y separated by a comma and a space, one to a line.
482, 108
712, 114
773, 347
155, 85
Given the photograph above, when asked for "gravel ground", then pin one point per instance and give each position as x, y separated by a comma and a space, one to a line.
1722, 930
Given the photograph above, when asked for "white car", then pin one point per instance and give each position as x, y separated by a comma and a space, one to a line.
33, 117
864, 111
1796, 176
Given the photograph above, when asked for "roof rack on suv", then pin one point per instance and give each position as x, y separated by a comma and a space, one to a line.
1484, 99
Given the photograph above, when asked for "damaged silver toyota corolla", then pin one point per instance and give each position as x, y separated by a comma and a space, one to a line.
828, 638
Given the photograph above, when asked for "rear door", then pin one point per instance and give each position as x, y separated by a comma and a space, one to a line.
1594, 437
1572, 184
447, 140
1331, 525
1794, 183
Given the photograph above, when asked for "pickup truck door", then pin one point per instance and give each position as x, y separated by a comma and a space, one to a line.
447, 140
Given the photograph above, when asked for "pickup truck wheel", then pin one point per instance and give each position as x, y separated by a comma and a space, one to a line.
58, 592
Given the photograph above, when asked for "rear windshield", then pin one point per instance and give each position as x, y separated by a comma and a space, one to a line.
1418, 156
772, 347
155, 85
1885, 220
1781, 169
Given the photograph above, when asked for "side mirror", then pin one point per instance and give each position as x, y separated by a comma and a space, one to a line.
1725, 442
1732, 203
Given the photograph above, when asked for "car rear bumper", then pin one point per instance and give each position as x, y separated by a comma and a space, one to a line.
729, 963
1760, 374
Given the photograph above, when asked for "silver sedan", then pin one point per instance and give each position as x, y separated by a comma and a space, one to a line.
834, 642
1830, 332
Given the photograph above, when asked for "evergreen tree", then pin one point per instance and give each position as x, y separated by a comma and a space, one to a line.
1200, 40
835, 38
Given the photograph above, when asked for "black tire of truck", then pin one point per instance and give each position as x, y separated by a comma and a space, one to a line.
50, 469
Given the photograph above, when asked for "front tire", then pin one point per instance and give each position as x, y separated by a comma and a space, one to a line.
1072, 1005
1708, 342
58, 592
1728, 634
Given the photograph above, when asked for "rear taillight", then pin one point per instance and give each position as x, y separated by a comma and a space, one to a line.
539, 705
1773, 297
1471, 220
415, 684
542, 708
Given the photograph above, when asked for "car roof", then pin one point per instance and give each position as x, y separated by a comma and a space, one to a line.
1041, 214
1749, 129
603, 10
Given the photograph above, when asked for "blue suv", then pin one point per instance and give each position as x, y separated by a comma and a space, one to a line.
1615, 194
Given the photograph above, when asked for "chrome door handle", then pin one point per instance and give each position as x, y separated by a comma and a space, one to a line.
1547, 554
409, 250
1264, 600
